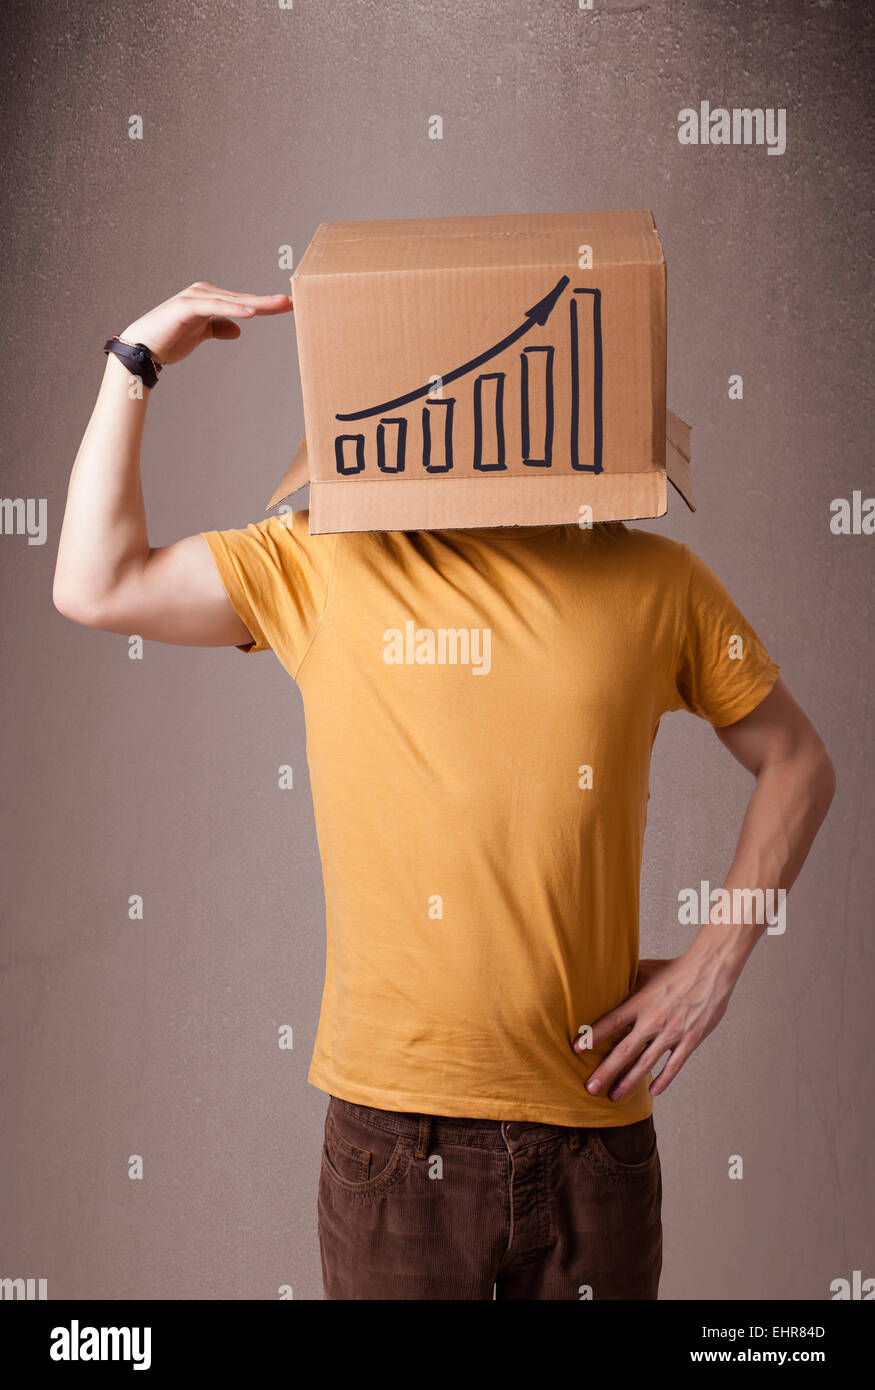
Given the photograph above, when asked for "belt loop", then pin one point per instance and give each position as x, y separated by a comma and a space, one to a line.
423, 1136
574, 1138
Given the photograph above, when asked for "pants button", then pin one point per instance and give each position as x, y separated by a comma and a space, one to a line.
513, 1131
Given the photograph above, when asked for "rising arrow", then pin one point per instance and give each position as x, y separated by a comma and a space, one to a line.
537, 315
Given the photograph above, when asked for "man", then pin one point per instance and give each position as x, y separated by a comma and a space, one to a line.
481, 706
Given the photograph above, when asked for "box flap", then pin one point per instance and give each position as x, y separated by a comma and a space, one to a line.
677, 457
296, 475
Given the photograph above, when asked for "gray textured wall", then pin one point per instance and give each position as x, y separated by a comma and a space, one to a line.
158, 777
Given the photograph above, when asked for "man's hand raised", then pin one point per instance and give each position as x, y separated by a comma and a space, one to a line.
107, 575
202, 311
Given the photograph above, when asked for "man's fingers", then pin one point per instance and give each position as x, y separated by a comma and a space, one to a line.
207, 287
224, 328
258, 303
617, 1060
648, 1059
672, 1067
608, 1024
231, 308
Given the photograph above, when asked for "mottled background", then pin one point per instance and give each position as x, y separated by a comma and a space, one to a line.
159, 777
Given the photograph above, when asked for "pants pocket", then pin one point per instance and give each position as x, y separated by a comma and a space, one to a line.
348, 1160
627, 1148
361, 1157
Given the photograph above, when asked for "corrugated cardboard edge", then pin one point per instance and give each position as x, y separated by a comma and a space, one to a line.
678, 452
421, 505
335, 506
296, 475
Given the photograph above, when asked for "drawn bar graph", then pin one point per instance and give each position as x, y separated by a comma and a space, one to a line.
536, 405
437, 456
341, 453
489, 431
540, 428
391, 461
586, 363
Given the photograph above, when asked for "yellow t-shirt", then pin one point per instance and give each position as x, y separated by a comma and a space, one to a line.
481, 707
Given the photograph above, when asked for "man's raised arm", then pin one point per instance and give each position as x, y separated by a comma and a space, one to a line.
107, 575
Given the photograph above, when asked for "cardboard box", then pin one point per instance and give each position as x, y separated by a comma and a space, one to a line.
484, 371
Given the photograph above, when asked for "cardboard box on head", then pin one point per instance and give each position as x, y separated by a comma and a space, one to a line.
484, 371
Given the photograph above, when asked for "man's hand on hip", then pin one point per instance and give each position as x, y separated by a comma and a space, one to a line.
673, 1006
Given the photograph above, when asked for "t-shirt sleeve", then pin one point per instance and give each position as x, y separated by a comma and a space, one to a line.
277, 576
723, 670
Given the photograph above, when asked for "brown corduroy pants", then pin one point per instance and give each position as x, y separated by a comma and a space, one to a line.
432, 1207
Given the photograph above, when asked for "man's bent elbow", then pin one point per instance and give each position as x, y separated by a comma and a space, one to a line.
75, 606
821, 776
827, 779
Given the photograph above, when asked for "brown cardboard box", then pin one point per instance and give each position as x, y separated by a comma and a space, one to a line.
484, 371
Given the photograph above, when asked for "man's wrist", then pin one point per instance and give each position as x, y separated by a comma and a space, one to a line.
725, 946
136, 356
118, 380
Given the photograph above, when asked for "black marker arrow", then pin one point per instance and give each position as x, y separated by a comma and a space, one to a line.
537, 315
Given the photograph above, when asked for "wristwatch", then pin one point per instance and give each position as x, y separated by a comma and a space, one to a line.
136, 357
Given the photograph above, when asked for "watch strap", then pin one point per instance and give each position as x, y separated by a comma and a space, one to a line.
136, 357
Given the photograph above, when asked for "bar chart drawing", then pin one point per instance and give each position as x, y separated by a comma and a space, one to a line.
438, 457
536, 398
341, 453
397, 440
489, 422
583, 430
532, 386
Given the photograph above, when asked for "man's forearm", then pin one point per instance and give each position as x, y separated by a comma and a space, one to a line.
104, 527
783, 816
676, 1003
